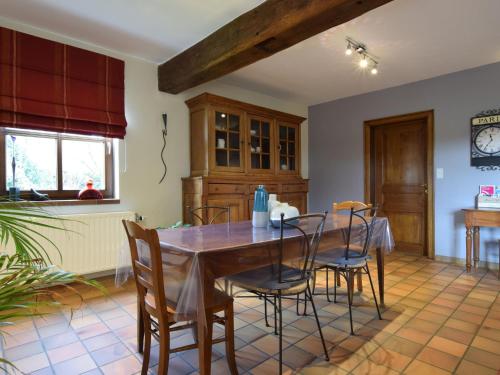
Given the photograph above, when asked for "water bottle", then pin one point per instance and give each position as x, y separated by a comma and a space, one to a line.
260, 215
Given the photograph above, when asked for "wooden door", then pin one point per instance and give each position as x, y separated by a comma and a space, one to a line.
237, 205
399, 179
227, 140
288, 148
260, 150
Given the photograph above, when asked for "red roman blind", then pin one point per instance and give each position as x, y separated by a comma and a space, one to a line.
51, 86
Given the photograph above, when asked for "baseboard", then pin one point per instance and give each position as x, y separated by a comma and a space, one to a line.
493, 266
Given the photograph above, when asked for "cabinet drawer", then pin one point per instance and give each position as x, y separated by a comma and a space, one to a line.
227, 189
273, 189
293, 188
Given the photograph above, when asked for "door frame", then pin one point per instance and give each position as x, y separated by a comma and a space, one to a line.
428, 116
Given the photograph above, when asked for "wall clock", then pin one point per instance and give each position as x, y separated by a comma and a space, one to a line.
485, 140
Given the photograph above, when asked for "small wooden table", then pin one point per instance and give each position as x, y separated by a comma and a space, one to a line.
474, 219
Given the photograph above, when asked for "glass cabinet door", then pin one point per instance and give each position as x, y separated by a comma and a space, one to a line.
260, 136
288, 148
228, 141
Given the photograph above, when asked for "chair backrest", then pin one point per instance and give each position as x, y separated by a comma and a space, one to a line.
348, 205
311, 228
367, 215
208, 214
148, 268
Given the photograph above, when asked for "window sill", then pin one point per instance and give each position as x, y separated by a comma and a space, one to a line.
68, 202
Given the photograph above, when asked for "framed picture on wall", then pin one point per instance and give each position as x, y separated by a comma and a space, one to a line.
485, 140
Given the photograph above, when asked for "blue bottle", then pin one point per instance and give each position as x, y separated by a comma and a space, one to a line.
260, 216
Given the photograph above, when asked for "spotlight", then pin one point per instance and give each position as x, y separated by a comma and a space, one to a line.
374, 70
348, 51
363, 63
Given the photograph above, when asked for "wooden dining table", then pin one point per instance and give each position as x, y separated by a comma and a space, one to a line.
206, 253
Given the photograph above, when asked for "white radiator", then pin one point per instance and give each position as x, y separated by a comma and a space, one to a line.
91, 242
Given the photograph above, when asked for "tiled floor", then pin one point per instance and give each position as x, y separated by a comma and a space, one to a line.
438, 320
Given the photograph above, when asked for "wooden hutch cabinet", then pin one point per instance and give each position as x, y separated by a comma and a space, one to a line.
236, 146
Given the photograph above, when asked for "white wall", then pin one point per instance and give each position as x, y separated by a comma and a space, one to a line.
140, 165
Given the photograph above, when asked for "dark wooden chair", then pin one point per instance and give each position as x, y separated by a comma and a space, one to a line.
206, 214
158, 312
350, 260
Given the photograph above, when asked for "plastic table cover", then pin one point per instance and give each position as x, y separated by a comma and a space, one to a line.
223, 249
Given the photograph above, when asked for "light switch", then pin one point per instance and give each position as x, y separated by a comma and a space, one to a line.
439, 173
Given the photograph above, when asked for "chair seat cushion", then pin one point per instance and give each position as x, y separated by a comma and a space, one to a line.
266, 280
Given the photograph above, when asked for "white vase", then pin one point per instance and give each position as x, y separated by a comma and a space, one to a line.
260, 219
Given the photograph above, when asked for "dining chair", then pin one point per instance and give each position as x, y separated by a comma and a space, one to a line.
351, 259
288, 277
341, 206
206, 215
209, 214
158, 312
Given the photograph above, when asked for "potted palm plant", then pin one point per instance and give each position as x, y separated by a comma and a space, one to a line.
27, 276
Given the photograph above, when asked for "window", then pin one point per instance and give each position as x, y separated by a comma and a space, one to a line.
55, 163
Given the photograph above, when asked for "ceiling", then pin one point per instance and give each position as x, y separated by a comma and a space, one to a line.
413, 39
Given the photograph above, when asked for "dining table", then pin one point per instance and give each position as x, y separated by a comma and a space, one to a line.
195, 257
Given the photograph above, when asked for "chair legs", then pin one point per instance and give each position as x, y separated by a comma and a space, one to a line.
229, 335
164, 351
280, 333
373, 290
317, 322
146, 345
348, 276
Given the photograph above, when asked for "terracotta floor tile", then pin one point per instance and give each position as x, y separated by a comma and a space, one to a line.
483, 358
414, 335
390, 359
486, 344
125, 366
271, 367
268, 344
419, 368
448, 346
296, 358
455, 335
345, 359
249, 357
66, 352
468, 368
402, 346
490, 333
461, 325
312, 344
32, 363
424, 298
23, 351
439, 359
101, 341
76, 365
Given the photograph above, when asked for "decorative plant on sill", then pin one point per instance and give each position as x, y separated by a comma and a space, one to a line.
27, 278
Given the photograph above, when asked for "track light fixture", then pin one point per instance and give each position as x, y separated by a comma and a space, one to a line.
366, 60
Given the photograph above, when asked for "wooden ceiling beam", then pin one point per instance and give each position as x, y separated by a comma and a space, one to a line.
261, 32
